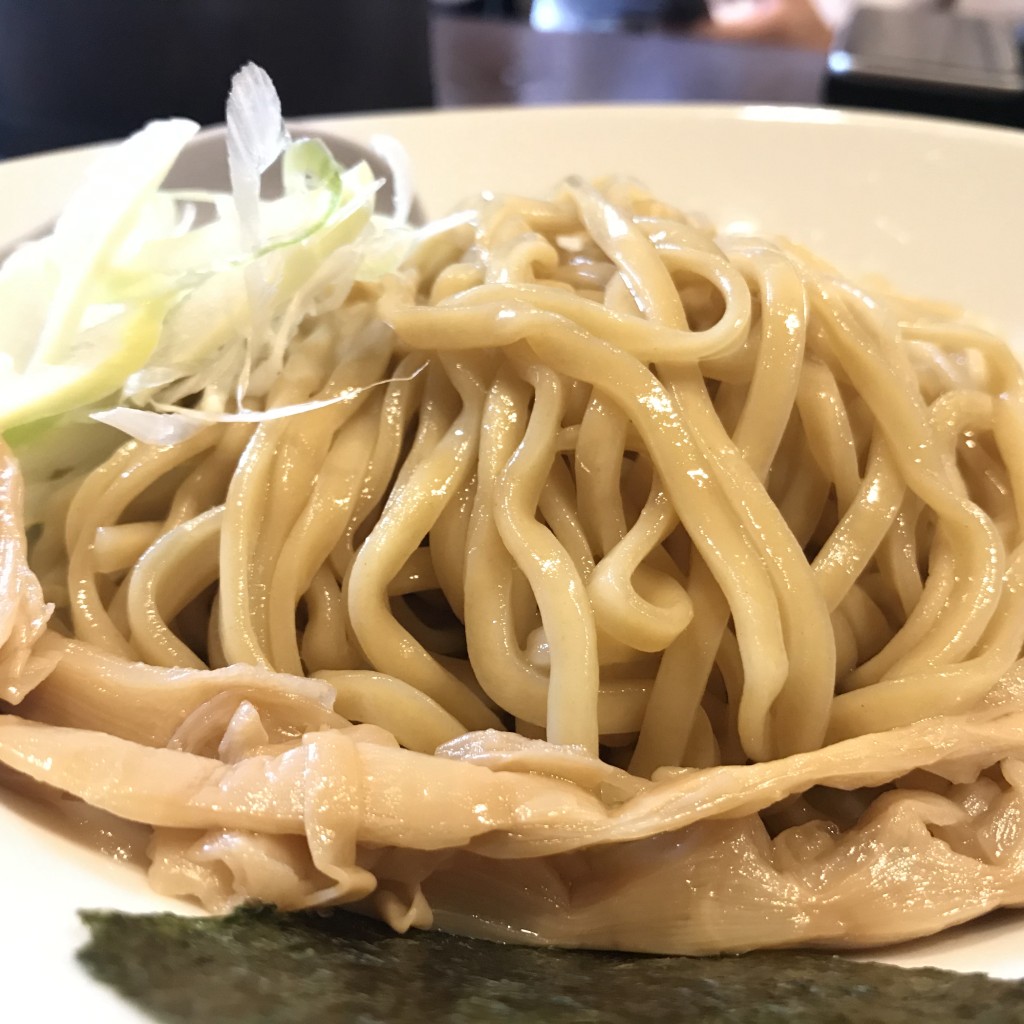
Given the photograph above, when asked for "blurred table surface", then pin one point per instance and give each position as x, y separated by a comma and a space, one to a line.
479, 61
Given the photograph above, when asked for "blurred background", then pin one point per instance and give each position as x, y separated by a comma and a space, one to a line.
74, 71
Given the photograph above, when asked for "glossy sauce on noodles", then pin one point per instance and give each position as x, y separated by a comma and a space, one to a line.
627, 586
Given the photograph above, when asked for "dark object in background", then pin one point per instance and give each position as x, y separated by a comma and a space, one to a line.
74, 71
928, 61
485, 8
616, 15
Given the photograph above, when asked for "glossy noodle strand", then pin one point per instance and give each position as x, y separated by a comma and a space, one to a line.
635, 587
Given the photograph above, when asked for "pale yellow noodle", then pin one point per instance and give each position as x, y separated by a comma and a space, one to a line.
637, 587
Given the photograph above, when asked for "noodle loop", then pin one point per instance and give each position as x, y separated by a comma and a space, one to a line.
650, 586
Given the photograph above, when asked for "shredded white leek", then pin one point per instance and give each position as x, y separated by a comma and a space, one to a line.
130, 306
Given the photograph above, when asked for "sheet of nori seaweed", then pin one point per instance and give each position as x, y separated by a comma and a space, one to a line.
258, 965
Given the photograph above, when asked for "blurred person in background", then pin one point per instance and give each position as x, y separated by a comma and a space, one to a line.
797, 23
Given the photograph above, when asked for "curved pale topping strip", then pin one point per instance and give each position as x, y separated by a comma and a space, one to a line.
23, 612
645, 873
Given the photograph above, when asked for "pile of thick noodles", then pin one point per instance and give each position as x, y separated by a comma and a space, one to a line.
642, 589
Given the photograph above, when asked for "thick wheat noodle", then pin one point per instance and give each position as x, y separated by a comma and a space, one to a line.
328, 511
624, 539
557, 504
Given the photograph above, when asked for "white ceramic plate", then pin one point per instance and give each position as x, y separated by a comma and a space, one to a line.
937, 207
